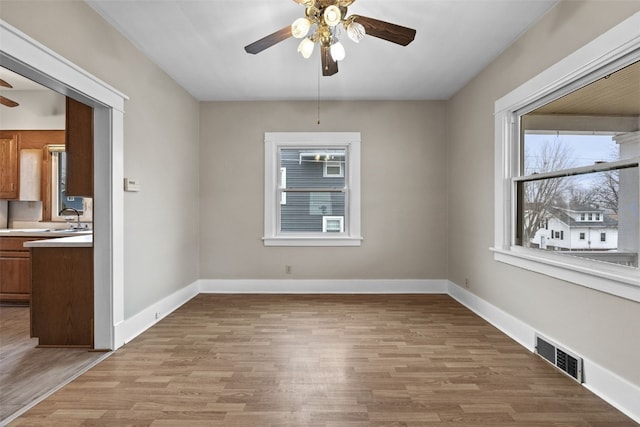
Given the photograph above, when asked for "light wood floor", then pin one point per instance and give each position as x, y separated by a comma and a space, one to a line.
338, 360
26, 372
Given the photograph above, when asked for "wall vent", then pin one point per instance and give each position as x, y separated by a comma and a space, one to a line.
561, 358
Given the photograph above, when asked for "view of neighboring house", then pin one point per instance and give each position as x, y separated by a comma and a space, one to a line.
312, 183
583, 228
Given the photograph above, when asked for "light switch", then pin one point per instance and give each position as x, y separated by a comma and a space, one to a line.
131, 184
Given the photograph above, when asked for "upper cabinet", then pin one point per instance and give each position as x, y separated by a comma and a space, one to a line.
22, 160
79, 148
8, 165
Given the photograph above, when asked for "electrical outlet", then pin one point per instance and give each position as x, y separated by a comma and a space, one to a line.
157, 315
287, 269
466, 283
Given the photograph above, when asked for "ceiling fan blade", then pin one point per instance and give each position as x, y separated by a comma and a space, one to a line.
8, 102
329, 66
386, 31
268, 41
5, 84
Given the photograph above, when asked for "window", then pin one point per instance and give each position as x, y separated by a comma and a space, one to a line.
561, 179
312, 189
58, 196
333, 169
603, 237
332, 224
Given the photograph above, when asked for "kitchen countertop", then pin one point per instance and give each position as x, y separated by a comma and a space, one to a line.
41, 232
54, 238
77, 241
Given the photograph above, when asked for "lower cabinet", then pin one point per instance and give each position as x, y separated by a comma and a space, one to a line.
15, 269
62, 296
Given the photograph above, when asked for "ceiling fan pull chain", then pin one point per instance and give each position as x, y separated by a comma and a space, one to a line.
318, 97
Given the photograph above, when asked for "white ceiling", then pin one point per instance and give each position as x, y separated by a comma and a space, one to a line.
199, 43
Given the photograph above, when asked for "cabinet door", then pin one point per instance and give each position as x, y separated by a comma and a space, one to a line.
79, 147
8, 166
15, 279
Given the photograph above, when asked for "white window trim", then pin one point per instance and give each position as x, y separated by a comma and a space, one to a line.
613, 50
275, 140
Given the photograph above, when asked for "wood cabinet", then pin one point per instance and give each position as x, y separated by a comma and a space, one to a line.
15, 269
8, 165
62, 296
79, 147
22, 159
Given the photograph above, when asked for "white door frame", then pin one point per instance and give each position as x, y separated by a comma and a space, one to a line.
24, 55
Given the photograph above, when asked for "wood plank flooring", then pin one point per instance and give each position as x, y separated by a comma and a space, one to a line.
323, 360
27, 373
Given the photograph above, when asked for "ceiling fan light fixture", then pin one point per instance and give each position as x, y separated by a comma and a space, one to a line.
306, 47
356, 31
332, 15
300, 28
337, 51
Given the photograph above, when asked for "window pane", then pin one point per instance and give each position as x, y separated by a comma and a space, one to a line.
304, 211
61, 200
592, 216
307, 168
553, 152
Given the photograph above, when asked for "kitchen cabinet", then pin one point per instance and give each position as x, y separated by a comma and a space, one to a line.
22, 160
8, 165
79, 147
15, 269
62, 296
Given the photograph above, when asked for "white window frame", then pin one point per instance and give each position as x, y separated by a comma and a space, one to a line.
613, 50
274, 141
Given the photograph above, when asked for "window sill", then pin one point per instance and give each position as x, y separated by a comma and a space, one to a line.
613, 279
312, 241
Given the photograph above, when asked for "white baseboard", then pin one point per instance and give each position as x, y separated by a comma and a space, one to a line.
138, 323
610, 387
513, 327
293, 286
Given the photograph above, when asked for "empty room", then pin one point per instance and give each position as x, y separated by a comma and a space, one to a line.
320, 212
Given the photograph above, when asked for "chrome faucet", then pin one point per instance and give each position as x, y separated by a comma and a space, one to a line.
74, 210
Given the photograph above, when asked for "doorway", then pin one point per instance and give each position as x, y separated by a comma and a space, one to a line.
25, 56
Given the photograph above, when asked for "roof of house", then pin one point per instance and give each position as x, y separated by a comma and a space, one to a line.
608, 221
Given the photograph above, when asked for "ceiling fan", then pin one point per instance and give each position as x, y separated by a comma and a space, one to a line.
6, 101
324, 22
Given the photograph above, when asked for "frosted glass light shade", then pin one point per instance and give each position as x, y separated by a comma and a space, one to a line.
332, 15
337, 51
306, 47
355, 31
300, 28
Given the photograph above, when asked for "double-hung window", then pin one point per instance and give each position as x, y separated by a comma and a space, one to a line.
312, 189
567, 154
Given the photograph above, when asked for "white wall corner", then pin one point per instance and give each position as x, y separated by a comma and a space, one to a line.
292, 286
132, 327
610, 387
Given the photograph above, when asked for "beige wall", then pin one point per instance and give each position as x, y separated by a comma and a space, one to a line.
597, 326
160, 149
404, 217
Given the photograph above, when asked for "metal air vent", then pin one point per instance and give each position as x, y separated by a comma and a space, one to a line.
561, 358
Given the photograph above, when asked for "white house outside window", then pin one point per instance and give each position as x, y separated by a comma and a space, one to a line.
312, 189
